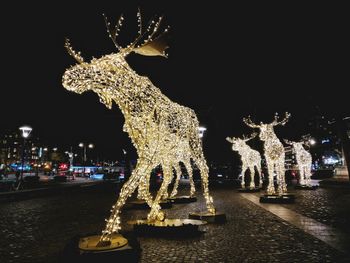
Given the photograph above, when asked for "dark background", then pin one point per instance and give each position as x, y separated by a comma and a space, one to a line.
226, 61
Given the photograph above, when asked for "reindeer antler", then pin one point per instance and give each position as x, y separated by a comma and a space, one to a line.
249, 122
248, 138
231, 140
73, 53
288, 141
150, 46
115, 32
154, 44
282, 122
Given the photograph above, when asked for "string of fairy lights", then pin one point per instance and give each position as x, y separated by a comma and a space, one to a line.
163, 132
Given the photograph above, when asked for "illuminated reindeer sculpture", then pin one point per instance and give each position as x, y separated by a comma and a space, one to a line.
158, 127
250, 158
274, 152
304, 161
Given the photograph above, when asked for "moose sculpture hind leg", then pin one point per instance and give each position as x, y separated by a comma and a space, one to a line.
189, 170
177, 179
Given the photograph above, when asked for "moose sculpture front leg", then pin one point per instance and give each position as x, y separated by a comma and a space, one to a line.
258, 167
271, 186
307, 172
252, 177
282, 186
113, 223
205, 186
244, 169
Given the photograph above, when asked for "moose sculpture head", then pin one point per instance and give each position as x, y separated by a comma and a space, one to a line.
112, 71
298, 146
240, 143
267, 129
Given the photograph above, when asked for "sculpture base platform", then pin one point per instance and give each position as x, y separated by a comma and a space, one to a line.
168, 227
306, 187
141, 204
86, 249
277, 199
208, 217
249, 190
184, 199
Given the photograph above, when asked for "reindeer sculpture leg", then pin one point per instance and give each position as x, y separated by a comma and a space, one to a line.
113, 223
258, 168
252, 177
177, 179
155, 213
143, 190
205, 185
189, 170
270, 187
171, 174
302, 175
244, 169
308, 175
282, 186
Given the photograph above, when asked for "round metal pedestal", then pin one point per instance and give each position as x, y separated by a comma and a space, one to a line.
90, 243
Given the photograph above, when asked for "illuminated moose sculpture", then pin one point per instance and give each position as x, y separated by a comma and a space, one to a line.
304, 161
250, 158
155, 124
274, 152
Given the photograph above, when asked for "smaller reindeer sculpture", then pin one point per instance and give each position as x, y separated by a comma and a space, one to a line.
274, 152
304, 161
250, 158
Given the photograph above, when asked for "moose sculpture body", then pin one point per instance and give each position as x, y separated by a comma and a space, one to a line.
251, 159
304, 161
157, 126
274, 153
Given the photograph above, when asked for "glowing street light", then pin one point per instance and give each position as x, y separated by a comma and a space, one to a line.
84, 145
201, 130
26, 130
312, 141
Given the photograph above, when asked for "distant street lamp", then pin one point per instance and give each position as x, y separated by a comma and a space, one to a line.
312, 141
71, 157
201, 131
26, 130
84, 146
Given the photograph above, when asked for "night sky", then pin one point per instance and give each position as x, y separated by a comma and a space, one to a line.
224, 62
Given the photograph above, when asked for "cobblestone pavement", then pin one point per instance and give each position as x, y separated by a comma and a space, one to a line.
330, 206
36, 230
